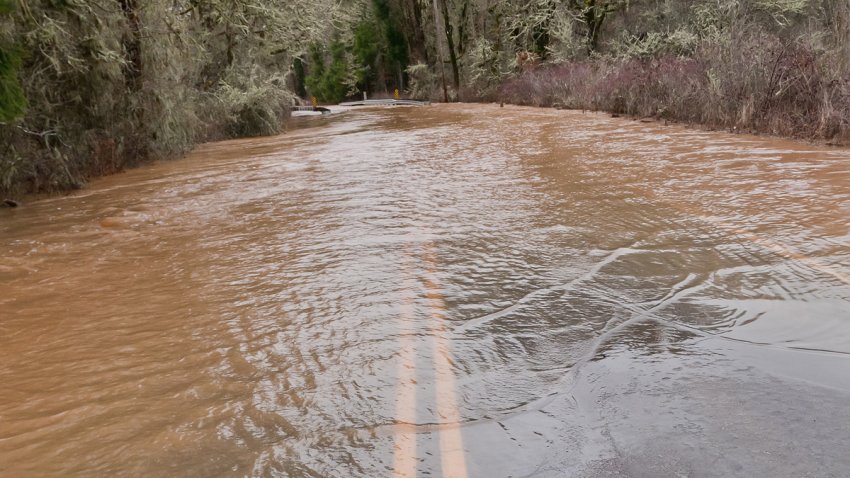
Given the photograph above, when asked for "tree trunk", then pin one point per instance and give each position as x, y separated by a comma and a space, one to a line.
463, 33
132, 43
228, 34
418, 33
438, 39
451, 44
594, 17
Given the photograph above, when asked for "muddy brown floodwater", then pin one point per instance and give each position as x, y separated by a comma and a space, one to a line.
454, 290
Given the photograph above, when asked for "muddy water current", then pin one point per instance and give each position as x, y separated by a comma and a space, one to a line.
453, 290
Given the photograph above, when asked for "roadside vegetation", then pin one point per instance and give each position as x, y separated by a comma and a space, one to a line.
89, 87
766, 66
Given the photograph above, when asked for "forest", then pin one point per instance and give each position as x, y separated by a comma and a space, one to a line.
91, 87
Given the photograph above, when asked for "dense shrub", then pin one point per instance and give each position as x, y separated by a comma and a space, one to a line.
747, 79
330, 79
254, 105
110, 84
422, 82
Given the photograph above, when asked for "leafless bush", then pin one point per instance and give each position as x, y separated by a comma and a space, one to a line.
762, 84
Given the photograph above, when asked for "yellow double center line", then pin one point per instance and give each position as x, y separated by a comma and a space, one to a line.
452, 458
405, 439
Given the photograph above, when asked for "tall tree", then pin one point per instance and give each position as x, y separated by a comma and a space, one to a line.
593, 14
450, 43
440, 29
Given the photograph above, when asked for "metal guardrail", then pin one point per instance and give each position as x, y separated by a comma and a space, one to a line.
387, 102
310, 108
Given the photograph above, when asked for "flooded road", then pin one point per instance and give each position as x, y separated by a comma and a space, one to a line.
456, 291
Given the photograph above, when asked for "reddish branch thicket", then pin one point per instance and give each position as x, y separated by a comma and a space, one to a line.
775, 67
781, 90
